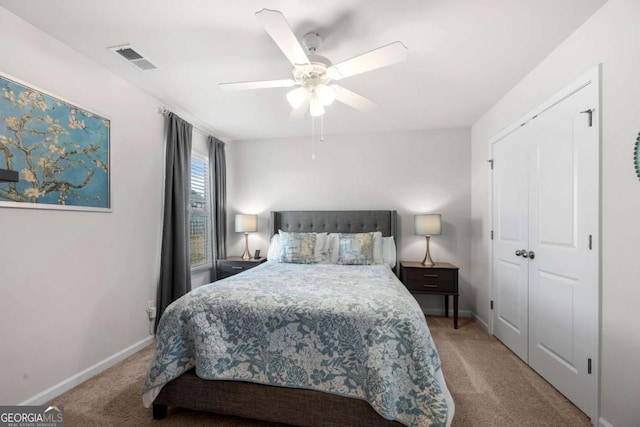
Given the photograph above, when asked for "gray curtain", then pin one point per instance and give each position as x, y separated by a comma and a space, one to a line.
175, 265
218, 175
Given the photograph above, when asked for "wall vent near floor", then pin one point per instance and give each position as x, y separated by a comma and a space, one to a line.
133, 56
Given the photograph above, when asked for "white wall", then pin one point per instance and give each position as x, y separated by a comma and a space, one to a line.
411, 172
611, 37
74, 285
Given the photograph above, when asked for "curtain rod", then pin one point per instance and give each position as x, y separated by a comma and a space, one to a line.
165, 111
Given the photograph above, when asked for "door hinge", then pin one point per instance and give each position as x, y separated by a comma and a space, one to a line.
590, 113
491, 304
491, 234
490, 163
590, 242
589, 366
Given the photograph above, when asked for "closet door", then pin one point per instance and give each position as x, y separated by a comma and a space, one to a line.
511, 228
563, 278
545, 259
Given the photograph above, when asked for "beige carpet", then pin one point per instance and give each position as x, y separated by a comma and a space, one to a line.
489, 384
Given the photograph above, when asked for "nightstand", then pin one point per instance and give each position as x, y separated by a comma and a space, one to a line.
441, 279
234, 264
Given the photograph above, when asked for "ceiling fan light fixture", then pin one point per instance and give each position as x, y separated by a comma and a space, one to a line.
297, 97
313, 73
316, 108
325, 94
333, 73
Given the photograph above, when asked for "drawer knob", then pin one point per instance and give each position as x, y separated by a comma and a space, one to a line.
431, 275
428, 285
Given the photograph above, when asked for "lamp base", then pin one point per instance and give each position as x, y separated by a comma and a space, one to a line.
246, 254
427, 261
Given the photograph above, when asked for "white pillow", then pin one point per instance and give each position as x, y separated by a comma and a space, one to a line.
275, 249
377, 248
389, 251
335, 247
384, 249
322, 254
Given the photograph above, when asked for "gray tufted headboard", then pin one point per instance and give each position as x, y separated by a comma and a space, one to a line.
334, 222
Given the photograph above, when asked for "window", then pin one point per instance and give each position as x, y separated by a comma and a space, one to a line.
200, 213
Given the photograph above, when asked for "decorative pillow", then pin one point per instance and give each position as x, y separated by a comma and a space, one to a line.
297, 248
356, 249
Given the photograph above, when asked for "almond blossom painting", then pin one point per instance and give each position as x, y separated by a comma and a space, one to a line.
60, 151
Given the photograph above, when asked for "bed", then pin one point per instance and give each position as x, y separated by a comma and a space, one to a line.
309, 345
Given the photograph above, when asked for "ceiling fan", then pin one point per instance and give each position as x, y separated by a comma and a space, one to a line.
313, 73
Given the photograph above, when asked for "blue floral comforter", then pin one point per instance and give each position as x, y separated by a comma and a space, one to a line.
349, 330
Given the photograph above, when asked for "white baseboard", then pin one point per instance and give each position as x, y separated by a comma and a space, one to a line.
440, 312
461, 313
66, 385
480, 322
604, 423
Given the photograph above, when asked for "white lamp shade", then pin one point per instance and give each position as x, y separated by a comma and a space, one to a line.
427, 225
316, 108
297, 96
325, 94
246, 223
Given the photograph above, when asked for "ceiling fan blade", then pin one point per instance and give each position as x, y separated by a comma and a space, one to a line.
277, 27
299, 113
263, 84
354, 100
377, 58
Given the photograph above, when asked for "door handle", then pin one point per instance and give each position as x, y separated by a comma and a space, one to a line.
524, 253
532, 254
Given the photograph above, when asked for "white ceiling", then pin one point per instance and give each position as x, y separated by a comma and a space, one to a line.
464, 55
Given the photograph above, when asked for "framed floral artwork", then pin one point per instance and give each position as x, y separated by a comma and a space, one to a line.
60, 151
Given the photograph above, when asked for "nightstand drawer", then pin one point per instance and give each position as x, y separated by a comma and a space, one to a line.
233, 265
439, 279
430, 280
226, 270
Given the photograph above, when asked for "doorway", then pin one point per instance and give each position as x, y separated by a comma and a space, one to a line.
545, 249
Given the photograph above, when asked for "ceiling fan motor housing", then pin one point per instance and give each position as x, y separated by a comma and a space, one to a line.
311, 42
312, 74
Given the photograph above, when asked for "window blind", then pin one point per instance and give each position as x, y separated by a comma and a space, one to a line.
200, 214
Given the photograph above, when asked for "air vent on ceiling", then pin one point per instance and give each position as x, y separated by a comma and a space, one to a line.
133, 56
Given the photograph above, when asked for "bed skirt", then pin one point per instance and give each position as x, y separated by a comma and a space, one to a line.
266, 403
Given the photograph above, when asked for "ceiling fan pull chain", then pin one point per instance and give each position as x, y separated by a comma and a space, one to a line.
313, 138
322, 128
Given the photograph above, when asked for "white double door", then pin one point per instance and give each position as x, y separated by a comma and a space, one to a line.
545, 259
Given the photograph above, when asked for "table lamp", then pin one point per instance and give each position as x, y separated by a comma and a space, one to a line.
246, 224
427, 225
